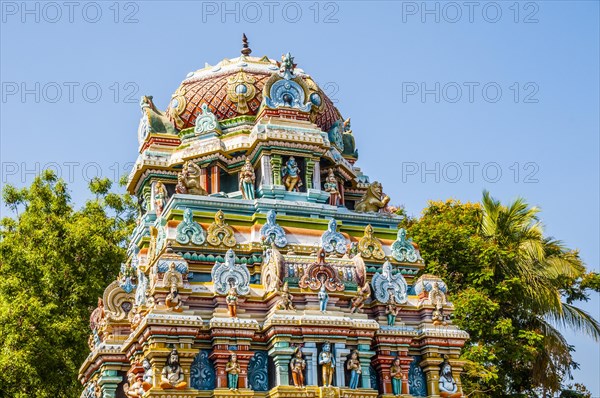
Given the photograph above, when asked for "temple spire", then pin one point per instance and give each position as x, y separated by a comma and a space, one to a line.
245, 50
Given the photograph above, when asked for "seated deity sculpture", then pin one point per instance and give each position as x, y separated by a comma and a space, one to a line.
173, 300
172, 374
285, 299
447, 384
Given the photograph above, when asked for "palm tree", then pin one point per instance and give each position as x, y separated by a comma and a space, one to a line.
544, 264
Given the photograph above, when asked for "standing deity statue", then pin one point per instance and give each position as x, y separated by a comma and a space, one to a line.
233, 372
323, 298
447, 384
285, 299
291, 175
247, 178
172, 374
331, 186
392, 310
297, 366
353, 365
327, 362
396, 376
358, 302
160, 198
148, 375
232, 302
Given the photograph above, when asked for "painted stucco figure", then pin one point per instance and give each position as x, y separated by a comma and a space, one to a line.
247, 179
396, 376
188, 180
172, 374
148, 375
297, 366
285, 299
447, 384
391, 310
323, 298
327, 362
331, 186
160, 198
373, 200
291, 175
233, 372
232, 302
353, 365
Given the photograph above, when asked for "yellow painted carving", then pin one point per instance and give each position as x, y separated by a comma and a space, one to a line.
220, 233
369, 246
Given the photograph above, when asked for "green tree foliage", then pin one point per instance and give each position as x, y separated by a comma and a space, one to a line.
511, 287
55, 263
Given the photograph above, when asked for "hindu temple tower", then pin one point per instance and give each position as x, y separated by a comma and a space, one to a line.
264, 262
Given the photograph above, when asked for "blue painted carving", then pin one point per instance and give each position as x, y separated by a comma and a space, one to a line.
425, 284
286, 92
271, 232
335, 135
128, 277
417, 383
332, 240
258, 377
189, 230
403, 249
181, 266
229, 273
374, 379
202, 372
387, 281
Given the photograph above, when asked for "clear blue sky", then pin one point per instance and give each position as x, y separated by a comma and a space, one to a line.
517, 88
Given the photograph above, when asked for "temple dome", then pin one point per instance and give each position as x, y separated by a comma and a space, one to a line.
234, 87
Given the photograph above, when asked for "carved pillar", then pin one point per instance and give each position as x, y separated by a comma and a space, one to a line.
108, 382
341, 354
282, 354
365, 355
308, 173
266, 174
317, 176
457, 367
215, 179
431, 367
382, 364
310, 355
204, 179
276, 168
